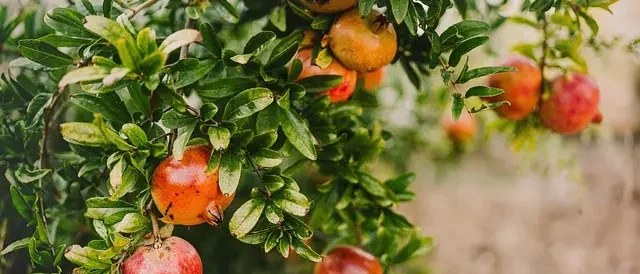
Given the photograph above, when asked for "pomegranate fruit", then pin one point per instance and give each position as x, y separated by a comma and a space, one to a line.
174, 255
372, 80
348, 260
185, 193
521, 88
572, 105
460, 131
329, 6
363, 44
340, 93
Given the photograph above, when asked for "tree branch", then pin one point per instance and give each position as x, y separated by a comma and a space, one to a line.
134, 12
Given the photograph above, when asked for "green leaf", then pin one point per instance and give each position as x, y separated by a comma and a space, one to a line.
481, 72
399, 9
62, 41
487, 106
132, 222
322, 22
417, 246
219, 137
139, 100
266, 158
401, 183
273, 214
255, 237
210, 40
84, 74
305, 251
272, 240
110, 134
278, 18
173, 119
320, 83
299, 227
172, 98
297, 132
246, 217
43, 53
457, 106
259, 42
527, 50
118, 36
230, 171
101, 207
67, 22
247, 103
291, 201
135, 134
184, 135
524, 21
411, 21
541, 5
85, 134
96, 104
208, 111
225, 87
593, 25
36, 109
20, 203
232, 10
464, 48
284, 246
19, 244
296, 69
178, 39
268, 119
273, 182
184, 76
284, 50
265, 140
152, 63
25, 175
365, 6
372, 185
106, 8
483, 91
462, 6
463, 30
86, 257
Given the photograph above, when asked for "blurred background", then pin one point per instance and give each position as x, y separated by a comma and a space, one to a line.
557, 205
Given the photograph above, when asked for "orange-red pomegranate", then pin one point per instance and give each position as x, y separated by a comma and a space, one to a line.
174, 256
348, 260
329, 6
372, 80
340, 93
185, 193
460, 131
363, 44
573, 104
521, 88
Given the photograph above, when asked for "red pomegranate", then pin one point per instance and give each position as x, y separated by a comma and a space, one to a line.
174, 256
573, 104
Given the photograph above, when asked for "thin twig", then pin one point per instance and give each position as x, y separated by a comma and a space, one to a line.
545, 45
257, 171
142, 6
43, 151
160, 137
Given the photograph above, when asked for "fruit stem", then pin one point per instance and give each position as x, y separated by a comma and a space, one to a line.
379, 24
157, 241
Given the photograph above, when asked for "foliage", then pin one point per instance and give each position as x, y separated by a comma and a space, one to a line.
101, 96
